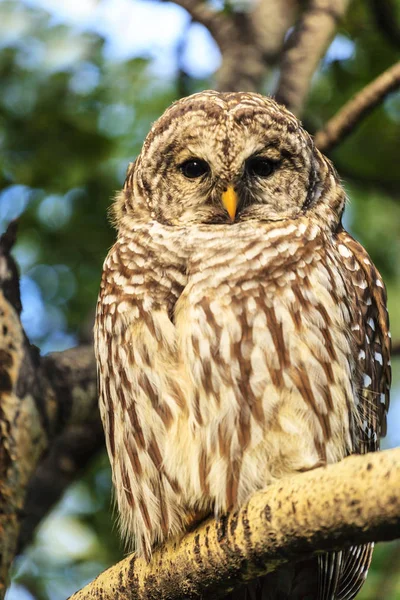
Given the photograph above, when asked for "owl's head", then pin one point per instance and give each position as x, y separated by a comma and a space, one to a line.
229, 157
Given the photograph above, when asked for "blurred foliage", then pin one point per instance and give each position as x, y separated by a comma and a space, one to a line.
70, 122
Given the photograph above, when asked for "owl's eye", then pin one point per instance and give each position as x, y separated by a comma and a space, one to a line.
260, 166
194, 167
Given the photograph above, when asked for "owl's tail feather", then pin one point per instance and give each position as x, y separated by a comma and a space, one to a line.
329, 572
333, 576
342, 574
357, 560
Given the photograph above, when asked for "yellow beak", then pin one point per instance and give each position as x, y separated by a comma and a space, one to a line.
230, 201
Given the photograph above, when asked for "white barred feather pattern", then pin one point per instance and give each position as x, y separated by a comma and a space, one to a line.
234, 351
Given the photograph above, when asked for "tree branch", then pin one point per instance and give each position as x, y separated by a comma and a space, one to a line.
39, 399
216, 22
68, 456
352, 113
254, 43
304, 49
354, 501
250, 41
271, 20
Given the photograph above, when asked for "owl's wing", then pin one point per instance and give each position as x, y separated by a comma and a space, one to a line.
342, 574
139, 395
372, 335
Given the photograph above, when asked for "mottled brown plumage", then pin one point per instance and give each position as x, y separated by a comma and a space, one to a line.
236, 349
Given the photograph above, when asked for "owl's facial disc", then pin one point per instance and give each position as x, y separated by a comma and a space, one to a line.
226, 158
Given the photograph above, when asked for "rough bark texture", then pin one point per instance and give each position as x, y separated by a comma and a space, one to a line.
354, 501
352, 113
304, 49
39, 398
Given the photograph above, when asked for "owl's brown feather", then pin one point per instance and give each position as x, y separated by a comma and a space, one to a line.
235, 353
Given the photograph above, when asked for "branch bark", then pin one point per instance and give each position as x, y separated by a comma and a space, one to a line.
253, 44
352, 113
68, 456
39, 399
250, 41
354, 501
304, 49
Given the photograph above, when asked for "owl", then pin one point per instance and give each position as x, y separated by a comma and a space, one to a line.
241, 333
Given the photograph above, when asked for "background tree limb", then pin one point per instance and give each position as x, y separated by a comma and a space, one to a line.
250, 40
39, 398
304, 49
352, 113
67, 457
254, 44
354, 501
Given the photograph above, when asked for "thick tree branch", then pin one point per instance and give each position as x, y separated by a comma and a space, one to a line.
354, 501
352, 113
250, 42
39, 399
305, 48
271, 21
254, 43
68, 456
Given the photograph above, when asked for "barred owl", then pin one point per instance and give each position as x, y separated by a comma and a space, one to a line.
241, 333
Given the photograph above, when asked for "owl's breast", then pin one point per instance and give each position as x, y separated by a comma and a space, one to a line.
263, 341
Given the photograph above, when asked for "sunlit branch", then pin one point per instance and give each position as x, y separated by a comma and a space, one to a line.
352, 502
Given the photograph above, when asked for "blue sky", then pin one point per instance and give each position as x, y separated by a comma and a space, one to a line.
138, 27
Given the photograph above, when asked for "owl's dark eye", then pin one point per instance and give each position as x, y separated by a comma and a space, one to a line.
260, 166
194, 167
